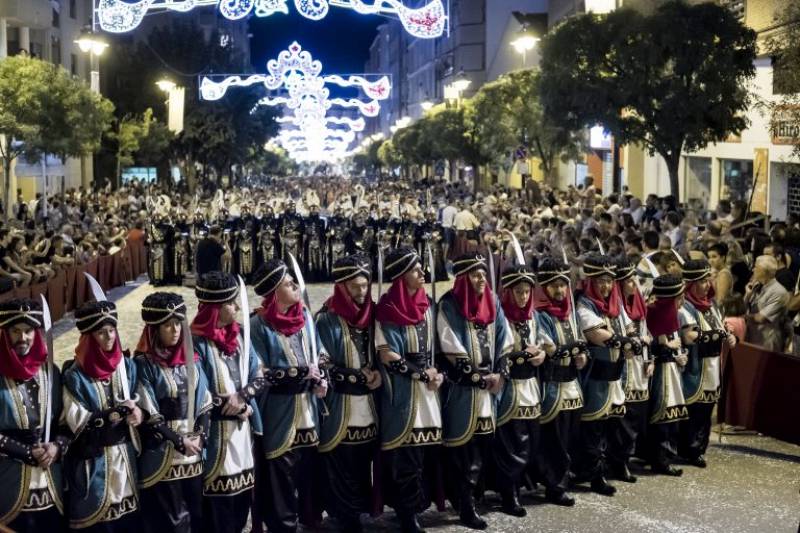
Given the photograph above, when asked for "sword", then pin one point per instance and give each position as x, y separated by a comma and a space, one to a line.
301, 283
191, 372
244, 360
100, 296
572, 322
599, 246
520, 257
431, 265
380, 272
48, 331
490, 264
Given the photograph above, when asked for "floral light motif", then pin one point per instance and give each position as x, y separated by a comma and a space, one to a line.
120, 16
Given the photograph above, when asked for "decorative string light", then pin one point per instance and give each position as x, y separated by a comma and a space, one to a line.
426, 22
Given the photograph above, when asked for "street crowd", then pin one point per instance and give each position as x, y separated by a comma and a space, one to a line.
581, 341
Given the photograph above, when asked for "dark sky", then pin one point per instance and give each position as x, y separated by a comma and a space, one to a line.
340, 40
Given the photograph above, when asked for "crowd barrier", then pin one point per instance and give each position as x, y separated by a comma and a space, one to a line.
68, 289
760, 391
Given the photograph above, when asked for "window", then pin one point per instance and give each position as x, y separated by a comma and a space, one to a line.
56, 18
73, 9
73, 61
737, 179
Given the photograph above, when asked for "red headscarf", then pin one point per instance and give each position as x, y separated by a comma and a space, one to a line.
477, 309
543, 303
701, 304
398, 308
93, 360
342, 304
514, 312
170, 357
22, 368
205, 325
634, 304
662, 317
607, 307
287, 323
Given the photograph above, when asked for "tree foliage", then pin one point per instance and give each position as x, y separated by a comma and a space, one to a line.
784, 47
44, 110
672, 81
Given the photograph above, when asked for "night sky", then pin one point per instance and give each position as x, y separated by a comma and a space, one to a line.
341, 40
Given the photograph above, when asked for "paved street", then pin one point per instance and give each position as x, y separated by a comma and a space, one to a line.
751, 484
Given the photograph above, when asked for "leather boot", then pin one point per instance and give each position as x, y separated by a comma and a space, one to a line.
622, 473
511, 504
409, 523
601, 486
559, 497
468, 515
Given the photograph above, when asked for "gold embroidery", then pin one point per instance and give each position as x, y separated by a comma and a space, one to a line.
673, 414
422, 436
484, 425
707, 396
304, 438
184, 471
528, 412
231, 485
360, 434
617, 411
39, 499
637, 395
117, 510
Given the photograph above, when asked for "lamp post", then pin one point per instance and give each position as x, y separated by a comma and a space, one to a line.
89, 43
524, 42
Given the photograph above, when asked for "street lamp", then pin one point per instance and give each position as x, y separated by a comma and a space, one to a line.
524, 42
166, 85
89, 43
426, 105
462, 82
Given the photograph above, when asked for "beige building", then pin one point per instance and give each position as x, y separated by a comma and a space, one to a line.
48, 29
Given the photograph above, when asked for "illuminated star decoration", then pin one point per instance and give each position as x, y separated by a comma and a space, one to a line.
120, 16
316, 136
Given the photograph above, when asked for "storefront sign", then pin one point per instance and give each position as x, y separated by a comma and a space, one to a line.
786, 125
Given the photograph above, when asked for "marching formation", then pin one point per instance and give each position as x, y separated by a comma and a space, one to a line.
506, 381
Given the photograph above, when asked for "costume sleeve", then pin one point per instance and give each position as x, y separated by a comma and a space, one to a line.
448, 340
588, 319
685, 318
148, 402
503, 334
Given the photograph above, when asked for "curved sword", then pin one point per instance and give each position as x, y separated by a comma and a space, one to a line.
48, 331
244, 360
301, 283
432, 268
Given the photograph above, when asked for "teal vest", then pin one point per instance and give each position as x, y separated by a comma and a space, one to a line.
14, 474
279, 412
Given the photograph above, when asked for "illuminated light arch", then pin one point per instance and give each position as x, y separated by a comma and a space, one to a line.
120, 16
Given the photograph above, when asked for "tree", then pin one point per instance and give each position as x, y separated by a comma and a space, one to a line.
784, 47
511, 116
388, 155
44, 110
140, 138
672, 81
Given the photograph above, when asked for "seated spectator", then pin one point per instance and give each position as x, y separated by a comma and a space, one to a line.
766, 302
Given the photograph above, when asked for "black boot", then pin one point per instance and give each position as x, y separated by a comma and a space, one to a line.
699, 461
667, 470
622, 473
559, 497
409, 523
468, 515
601, 486
511, 504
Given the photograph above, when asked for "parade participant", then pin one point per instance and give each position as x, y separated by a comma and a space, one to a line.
234, 380
562, 398
171, 462
349, 432
667, 406
604, 323
519, 407
30, 460
474, 337
411, 419
701, 376
315, 245
285, 339
635, 374
98, 407
291, 229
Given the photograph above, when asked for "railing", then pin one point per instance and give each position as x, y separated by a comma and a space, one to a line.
761, 391
68, 289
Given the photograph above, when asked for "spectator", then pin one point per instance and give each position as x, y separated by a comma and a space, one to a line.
784, 274
210, 252
722, 277
766, 301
